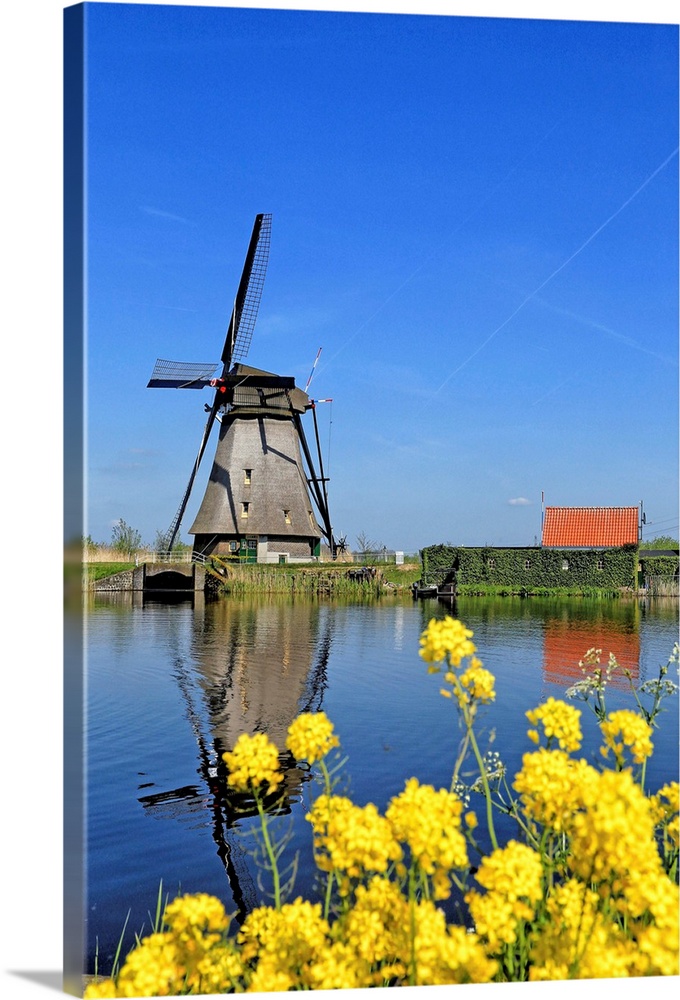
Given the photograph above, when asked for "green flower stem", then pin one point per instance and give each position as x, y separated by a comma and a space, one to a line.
412, 968
487, 790
327, 784
468, 718
270, 852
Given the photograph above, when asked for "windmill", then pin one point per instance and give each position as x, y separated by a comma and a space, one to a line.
264, 501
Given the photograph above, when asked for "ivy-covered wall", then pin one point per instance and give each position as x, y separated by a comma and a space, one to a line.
531, 568
658, 565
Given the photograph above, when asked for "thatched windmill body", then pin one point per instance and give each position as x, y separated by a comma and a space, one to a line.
265, 500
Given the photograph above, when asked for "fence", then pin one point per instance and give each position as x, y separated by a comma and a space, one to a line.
104, 554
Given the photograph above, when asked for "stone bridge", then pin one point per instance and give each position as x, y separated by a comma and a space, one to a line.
157, 577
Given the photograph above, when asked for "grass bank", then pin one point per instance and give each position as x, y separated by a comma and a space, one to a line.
322, 579
301, 578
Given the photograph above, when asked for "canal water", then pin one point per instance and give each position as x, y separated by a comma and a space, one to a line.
171, 686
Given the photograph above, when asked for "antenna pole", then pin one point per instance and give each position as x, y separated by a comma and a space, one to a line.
311, 374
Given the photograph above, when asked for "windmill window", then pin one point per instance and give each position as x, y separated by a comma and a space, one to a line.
247, 473
245, 508
233, 546
286, 516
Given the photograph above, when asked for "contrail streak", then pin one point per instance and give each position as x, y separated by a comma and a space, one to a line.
433, 255
560, 268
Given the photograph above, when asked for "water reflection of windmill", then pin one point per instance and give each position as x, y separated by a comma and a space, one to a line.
286, 648
258, 501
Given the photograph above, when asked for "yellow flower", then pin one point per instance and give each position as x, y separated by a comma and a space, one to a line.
351, 839
253, 763
446, 640
196, 921
447, 954
665, 810
551, 786
311, 737
612, 835
154, 968
626, 728
578, 941
479, 683
513, 878
101, 989
560, 722
283, 945
375, 929
429, 822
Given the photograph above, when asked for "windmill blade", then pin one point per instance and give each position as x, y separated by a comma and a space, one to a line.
177, 520
247, 302
181, 374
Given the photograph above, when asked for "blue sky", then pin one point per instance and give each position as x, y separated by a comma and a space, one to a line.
475, 218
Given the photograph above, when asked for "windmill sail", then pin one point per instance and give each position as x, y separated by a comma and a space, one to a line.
247, 302
257, 504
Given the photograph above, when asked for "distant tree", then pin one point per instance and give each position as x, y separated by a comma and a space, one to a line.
661, 542
366, 544
125, 539
87, 543
162, 541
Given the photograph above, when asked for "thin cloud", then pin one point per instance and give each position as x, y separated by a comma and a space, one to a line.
520, 502
607, 331
161, 214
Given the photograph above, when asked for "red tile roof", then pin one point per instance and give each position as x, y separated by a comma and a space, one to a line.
589, 527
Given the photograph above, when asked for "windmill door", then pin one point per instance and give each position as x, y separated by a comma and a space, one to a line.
248, 550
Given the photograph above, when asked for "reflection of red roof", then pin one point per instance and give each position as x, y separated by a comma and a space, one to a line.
589, 527
566, 642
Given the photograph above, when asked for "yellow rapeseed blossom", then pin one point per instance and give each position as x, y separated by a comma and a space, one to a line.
283, 945
560, 722
311, 737
612, 833
101, 989
447, 954
339, 968
551, 786
626, 729
220, 970
253, 764
665, 805
196, 920
154, 968
478, 683
351, 839
657, 933
513, 878
515, 871
447, 640
429, 821
376, 929
578, 941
